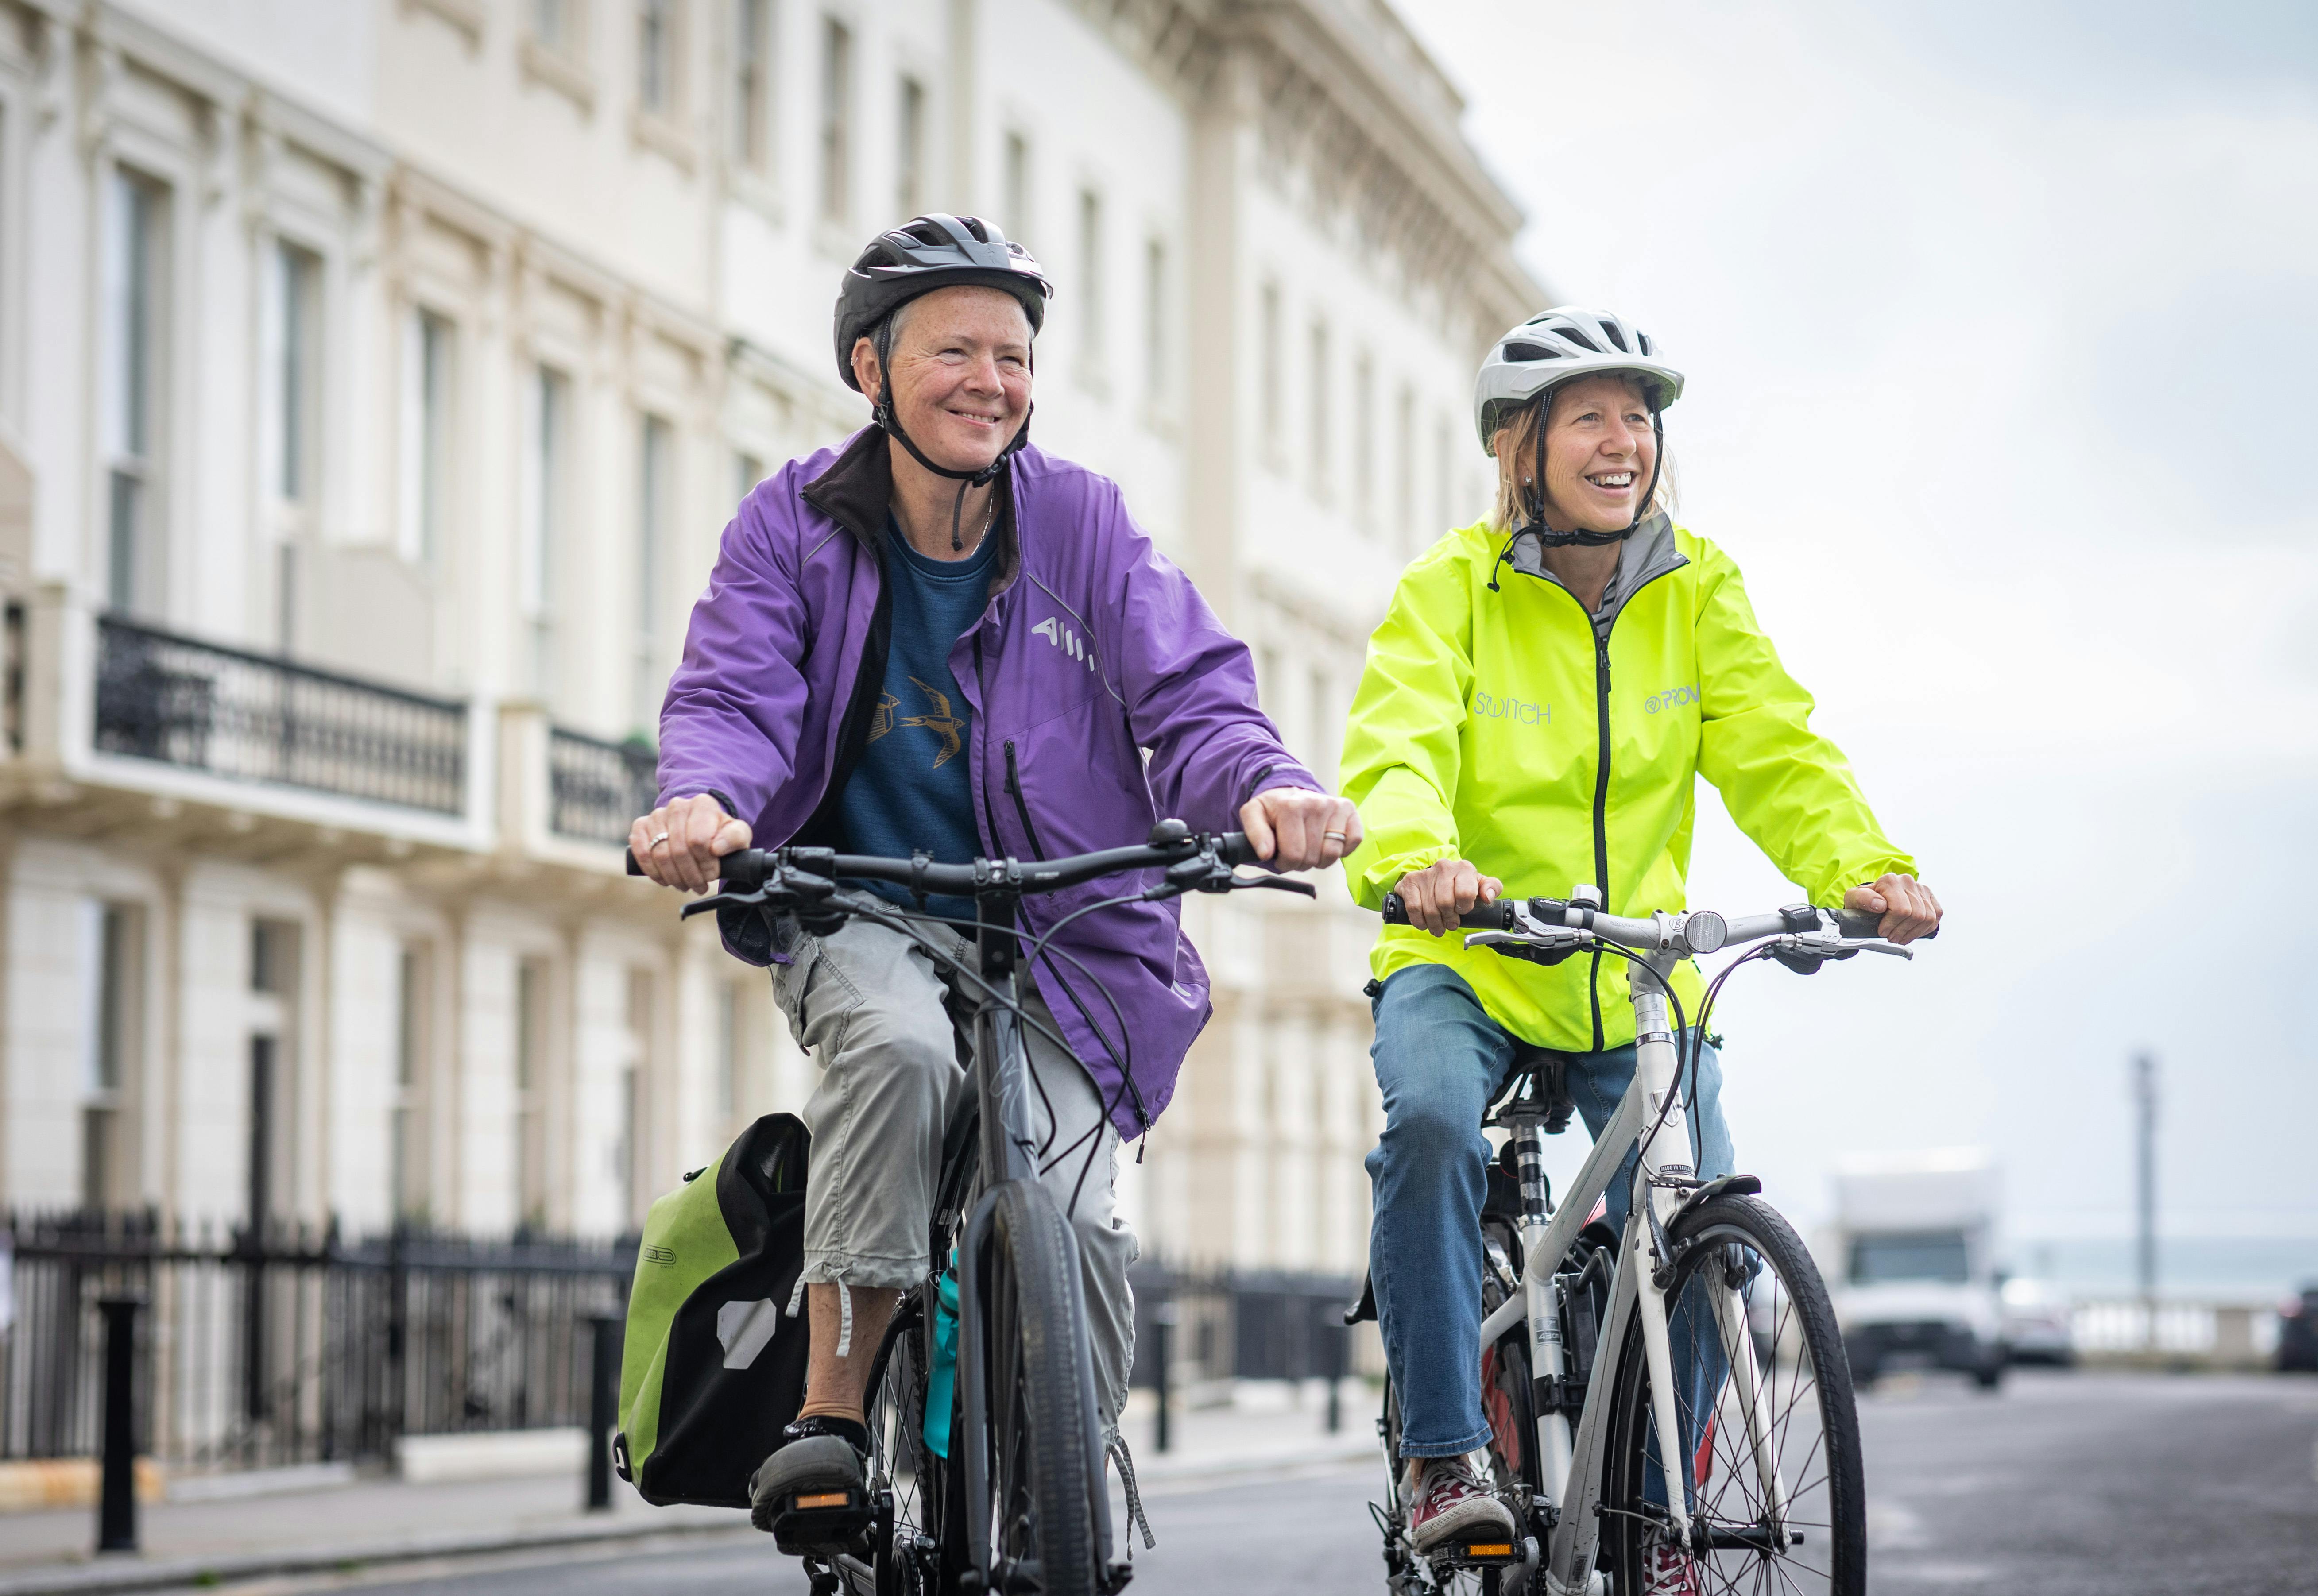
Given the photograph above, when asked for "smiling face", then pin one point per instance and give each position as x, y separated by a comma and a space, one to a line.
961, 373
1599, 451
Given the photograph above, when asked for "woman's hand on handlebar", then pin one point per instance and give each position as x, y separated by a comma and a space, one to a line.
677, 845
1907, 905
1437, 894
1291, 828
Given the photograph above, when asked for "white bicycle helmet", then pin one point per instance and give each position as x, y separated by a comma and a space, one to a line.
1555, 346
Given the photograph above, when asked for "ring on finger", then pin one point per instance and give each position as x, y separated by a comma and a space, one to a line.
658, 840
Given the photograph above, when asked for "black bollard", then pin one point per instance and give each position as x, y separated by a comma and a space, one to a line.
1162, 1324
603, 1406
116, 1500
1332, 1338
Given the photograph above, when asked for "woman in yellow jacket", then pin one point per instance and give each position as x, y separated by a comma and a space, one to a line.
1534, 713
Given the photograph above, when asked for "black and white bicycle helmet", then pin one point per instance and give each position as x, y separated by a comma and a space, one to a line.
1555, 346
921, 256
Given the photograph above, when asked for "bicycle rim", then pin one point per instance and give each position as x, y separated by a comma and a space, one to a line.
899, 1461
1042, 1476
1795, 1472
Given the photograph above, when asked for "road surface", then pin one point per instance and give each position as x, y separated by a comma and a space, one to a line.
2064, 1484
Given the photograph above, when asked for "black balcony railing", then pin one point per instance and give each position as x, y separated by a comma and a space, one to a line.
295, 1345
597, 789
259, 718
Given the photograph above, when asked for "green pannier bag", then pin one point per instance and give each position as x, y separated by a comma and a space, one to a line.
713, 1365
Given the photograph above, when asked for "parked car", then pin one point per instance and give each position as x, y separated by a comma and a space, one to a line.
2297, 1331
2036, 1322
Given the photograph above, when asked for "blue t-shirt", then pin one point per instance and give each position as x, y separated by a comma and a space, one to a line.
911, 789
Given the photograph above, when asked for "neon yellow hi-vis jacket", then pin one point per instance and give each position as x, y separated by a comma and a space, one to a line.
1505, 728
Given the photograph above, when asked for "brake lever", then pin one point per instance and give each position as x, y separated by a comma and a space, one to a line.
1234, 881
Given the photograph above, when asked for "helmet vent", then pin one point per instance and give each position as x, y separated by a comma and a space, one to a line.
1580, 339
1609, 331
1532, 352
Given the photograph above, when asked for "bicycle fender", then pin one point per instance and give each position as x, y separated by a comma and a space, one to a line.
1725, 1185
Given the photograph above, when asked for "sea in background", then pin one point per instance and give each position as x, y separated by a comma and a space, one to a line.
2253, 1270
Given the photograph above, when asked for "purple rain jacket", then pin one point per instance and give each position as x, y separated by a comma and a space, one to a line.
1094, 649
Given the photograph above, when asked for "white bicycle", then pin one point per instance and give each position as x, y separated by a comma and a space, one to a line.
1705, 1321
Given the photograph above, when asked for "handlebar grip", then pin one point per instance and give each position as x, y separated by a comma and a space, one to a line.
740, 871
1481, 917
633, 868
1857, 925
1233, 847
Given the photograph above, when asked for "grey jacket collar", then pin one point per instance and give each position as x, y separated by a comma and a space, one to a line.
1642, 558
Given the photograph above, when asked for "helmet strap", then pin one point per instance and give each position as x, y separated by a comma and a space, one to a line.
1549, 538
890, 422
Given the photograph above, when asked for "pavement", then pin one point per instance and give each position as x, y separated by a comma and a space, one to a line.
353, 1527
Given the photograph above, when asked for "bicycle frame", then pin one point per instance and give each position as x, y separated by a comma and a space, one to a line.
1570, 1469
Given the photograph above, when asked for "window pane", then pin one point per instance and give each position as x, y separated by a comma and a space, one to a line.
910, 174
547, 21
551, 401
653, 63
1091, 284
427, 434
836, 117
297, 277
751, 79
1269, 331
1154, 319
1363, 442
651, 518
1016, 221
1319, 418
748, 471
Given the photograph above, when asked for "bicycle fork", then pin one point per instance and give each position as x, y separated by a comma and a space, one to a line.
1665, 1162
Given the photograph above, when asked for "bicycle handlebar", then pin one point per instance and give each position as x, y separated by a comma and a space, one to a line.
1171, 845
1700, 930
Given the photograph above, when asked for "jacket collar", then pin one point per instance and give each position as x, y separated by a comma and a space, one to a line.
1642, 558
857, 492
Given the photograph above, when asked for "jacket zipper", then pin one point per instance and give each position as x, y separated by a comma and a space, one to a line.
1600, 806
1022, 805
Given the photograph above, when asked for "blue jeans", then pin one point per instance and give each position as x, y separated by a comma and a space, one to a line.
1439, 1059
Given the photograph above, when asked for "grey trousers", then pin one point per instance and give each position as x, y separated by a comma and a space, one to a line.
867, 1003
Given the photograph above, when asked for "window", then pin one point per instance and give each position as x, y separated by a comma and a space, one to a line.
1403, 454
134, 337
1319, 416
293, 331
909, 152
1154, 320
111, 942
1444, 514
630, 1163
1323, 721
407, 1151
550, 23
1272, 396
546, 470
531, 1021
1365, 442
1017, 224
752, 80
273, 1094
730, 1030
425, 436
836, 118
748, 471
1939, 1256
656, 57
1090, 285
654, 462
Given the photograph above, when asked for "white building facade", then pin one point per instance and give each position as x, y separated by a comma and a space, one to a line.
375, 380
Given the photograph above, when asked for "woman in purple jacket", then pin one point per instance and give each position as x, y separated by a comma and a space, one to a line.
940, 638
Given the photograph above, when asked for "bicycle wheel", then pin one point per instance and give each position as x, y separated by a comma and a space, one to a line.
1044, 1470
1508, 1399
1779, 1501
905, 1472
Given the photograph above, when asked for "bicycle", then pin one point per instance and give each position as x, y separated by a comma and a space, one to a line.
1016, 1501
1763, 1486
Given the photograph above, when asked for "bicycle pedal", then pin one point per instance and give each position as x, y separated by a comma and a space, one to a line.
1479, 1553
815, 1520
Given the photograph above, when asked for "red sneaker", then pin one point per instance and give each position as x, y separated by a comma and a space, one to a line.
1670, 1573
1453, 1504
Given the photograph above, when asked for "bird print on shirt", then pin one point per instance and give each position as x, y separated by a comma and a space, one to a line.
941, 723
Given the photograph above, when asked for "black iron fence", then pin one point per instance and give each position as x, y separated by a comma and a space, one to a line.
258, 718
291, 1344
597, 789
12, 646
1242, 1325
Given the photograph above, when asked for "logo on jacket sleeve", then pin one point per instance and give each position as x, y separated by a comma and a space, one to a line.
1493, 707
1064, 638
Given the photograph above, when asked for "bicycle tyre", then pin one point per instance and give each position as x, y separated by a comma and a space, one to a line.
1043, 1471
1812, 1419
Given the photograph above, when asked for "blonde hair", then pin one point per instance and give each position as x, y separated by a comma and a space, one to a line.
1516, 447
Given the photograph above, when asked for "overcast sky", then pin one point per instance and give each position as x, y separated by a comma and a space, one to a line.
2001, 324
